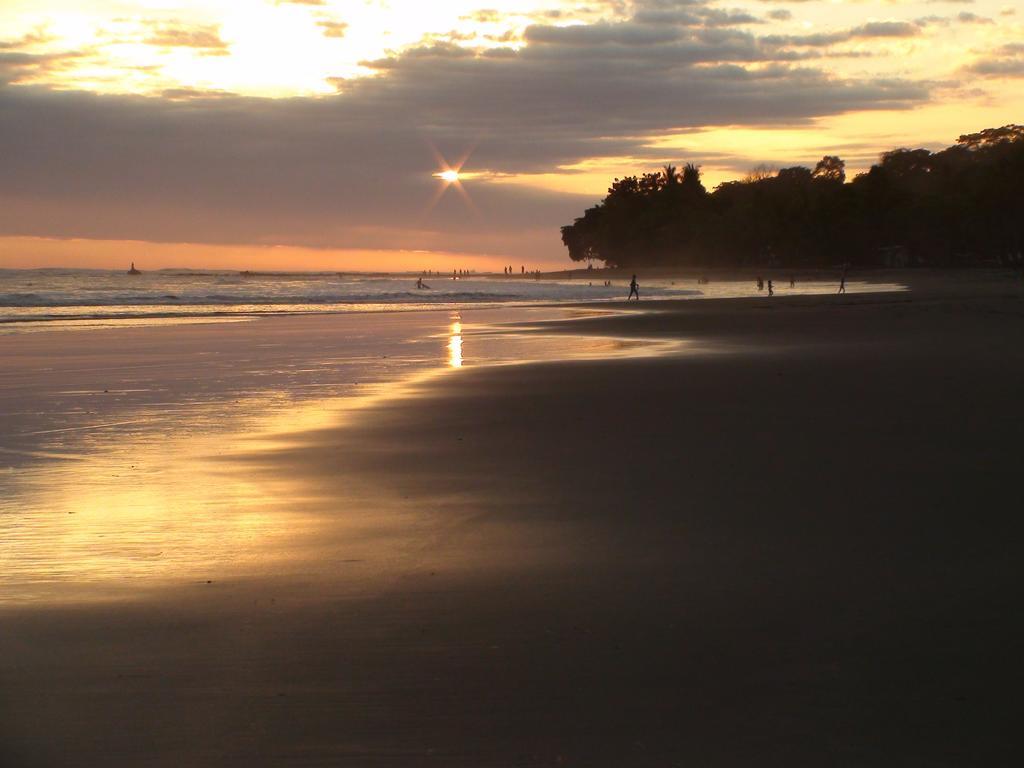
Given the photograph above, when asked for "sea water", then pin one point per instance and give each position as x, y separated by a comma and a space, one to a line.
62, 295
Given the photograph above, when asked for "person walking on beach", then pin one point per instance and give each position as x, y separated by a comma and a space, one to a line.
634, 289
842, 281
771, 288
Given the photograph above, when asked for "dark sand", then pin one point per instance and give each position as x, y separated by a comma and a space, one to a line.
799, 545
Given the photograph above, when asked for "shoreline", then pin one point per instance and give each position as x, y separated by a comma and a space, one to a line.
727, 283
786, 544
209, 313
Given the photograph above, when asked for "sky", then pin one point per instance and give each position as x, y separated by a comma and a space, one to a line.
309, 134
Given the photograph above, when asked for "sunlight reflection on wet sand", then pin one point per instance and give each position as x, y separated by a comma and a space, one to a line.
170, 502
455, 344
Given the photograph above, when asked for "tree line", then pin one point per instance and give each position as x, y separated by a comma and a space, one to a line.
961, 206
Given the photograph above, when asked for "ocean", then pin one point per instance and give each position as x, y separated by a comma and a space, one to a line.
77, 296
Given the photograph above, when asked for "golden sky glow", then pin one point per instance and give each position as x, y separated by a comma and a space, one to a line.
251, 47
878, 74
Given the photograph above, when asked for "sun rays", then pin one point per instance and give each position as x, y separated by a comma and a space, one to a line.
450, 175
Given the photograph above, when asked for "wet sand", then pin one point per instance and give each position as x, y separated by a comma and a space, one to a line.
794, 542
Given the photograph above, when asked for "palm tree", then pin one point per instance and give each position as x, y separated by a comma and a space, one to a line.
691, 175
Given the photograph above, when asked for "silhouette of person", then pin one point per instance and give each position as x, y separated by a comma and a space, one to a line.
634, 289
842, 282
771, 288
792, 282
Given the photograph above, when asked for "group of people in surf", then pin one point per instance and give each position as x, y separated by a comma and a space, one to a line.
634, 286
762, 283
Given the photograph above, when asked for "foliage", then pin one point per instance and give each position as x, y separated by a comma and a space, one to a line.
963, 205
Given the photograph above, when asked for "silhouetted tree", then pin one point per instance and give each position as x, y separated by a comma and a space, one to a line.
830, 168
963, 205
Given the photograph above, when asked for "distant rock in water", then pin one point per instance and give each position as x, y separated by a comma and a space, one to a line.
133, 270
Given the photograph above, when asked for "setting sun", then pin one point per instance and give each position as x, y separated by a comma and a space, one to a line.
449, 176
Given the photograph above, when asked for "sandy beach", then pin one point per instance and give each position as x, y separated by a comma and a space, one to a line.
699, 533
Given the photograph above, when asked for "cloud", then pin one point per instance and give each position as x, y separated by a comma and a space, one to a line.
28, 40
972, 18
589, 35
871, 30
20, 66
333, 28
206, 39
1006, 61
678, 16
354, 169
692, 15
485, 16
885, 29
181, 94
998, 67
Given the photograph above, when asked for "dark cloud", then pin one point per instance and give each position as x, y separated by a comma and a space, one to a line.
21, 66
885, 29
714, 17
998, 67
871, 30
1006, 61
590, 35
929, 21
180, 94
691, 15
780, 14
972, 18
678, 16
354, 170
